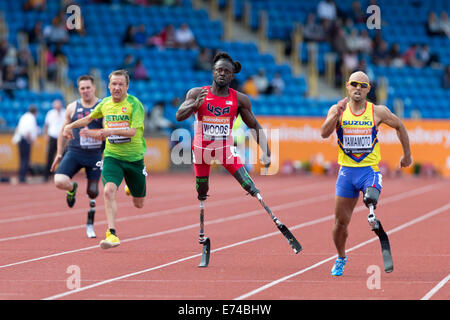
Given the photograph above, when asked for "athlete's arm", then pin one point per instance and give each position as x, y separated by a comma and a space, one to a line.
83, 122
126, 132
194, 99
384, 115
245, 110
62, 142
332, 120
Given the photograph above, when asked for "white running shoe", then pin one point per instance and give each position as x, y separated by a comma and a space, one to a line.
90, 231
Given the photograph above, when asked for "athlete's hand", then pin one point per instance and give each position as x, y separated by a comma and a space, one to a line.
67, 133
201, 97
341, 105
55, 162
405, 161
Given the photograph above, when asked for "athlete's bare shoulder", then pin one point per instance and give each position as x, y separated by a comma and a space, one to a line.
243, 100
70, 109
193, 92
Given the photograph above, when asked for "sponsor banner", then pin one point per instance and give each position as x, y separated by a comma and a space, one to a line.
299, 139
157, 157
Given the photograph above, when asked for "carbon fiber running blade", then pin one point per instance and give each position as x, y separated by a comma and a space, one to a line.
385, 249
205, 253
290, 238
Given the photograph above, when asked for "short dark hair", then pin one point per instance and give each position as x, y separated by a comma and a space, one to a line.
225, 56
121, 72
85, 77
32, 109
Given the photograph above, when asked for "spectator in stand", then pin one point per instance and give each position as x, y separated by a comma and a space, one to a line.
445, 24
157, 122
380, 54
277, 84
24, 60
446, 78
164, 39
249, 87
326, 10
128, 38
56, 33
410, 56
356, 13
36, 34
433, 25
140, 71
261, 81
313, 31
395, 56
350, 60
140, 36
424, 55
128, 63
184, 37
204, 60
349, 25
353, 40
365, 42
9, 80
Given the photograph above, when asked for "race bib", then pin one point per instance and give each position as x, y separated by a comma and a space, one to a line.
215, 128
357, 140
118, 126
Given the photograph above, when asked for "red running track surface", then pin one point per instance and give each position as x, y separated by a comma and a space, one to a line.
43, 243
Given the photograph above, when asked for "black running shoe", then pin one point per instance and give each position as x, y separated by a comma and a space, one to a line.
71, 195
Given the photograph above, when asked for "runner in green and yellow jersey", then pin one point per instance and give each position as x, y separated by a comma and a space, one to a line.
124, 152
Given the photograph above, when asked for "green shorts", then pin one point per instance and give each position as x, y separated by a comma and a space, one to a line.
134, 173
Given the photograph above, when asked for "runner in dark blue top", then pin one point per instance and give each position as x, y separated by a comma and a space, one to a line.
84, 151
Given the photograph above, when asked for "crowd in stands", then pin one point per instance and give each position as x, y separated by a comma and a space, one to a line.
169, 37
354, 48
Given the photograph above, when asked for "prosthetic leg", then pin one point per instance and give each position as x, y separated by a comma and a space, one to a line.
202, 185
247, 183
370, 200
92, 192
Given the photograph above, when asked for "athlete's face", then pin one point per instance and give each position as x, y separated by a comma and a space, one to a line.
86, 89
223, 73
118, 87
358, 88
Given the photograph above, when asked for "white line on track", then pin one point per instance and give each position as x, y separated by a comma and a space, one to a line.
139, 216
436, 288
309, 223
401, 227
187, 227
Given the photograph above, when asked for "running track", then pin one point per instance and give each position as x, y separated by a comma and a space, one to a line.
41, 239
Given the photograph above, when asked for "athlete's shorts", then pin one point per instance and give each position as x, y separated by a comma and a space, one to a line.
226, 156
135, 175
352, 180
73, 161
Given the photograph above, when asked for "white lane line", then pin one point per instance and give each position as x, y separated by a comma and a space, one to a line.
436, 288
401, 227
309, 223
147, 215
183, 228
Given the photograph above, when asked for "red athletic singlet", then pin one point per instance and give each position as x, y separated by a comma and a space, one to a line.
213, 140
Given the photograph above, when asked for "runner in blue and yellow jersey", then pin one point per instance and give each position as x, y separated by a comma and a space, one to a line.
356, 122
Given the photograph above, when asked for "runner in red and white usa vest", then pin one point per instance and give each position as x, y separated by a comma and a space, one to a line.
216, 107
